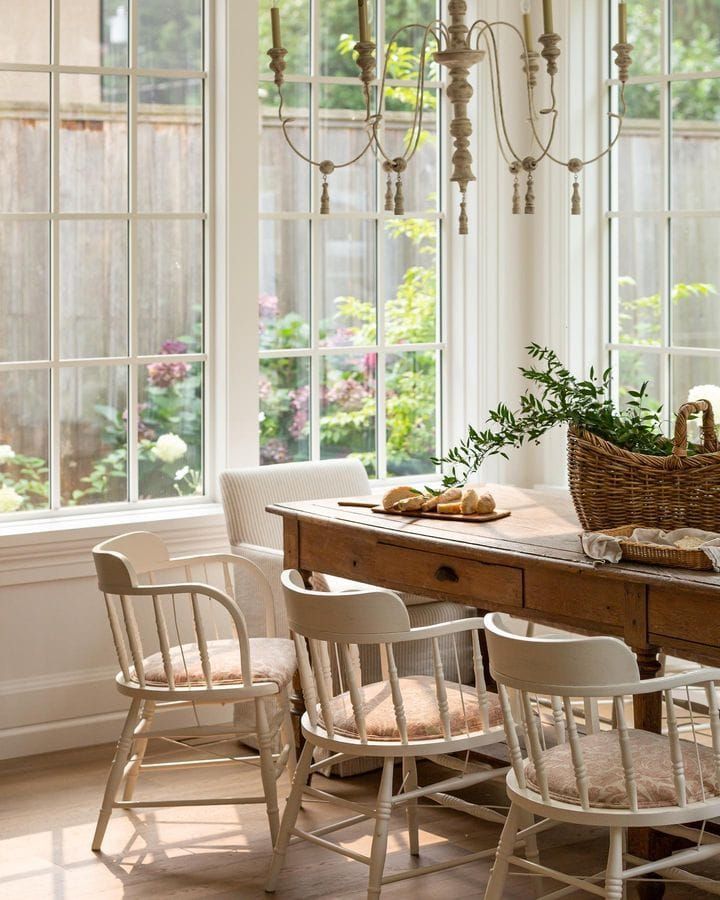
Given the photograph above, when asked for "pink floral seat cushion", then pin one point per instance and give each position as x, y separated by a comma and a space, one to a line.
651, 763
421, 711
272, 659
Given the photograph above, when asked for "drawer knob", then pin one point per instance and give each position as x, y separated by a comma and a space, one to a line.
446, 573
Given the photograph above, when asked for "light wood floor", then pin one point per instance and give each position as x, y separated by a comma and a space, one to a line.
48, 806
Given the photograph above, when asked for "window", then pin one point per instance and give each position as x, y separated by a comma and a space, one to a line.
665, 209
350, 323
102, 252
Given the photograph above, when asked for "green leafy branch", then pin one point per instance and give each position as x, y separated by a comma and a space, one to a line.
556, 397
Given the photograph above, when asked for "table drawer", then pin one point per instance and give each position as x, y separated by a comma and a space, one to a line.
575, 596
685, 614
484, 585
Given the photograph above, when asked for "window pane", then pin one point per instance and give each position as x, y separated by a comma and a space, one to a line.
284, 285
696, 144
695, 31
93, 289
342, 137
420, 180
346, 289
699, 378
169, 34
399, 13
347, 408
25, 38
295, 35
339, 32
284, 390
640, 261
637, 367
25, 137
115, 33
93, 434
24, 448
169, 267
92, 29
93, 143
284, 177
696, 283
411, 398
24, 290
410, 281
170, 145
644, 18
170, 429
638, 157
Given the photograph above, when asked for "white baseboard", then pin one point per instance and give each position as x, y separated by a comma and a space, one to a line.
67, 696
87, 731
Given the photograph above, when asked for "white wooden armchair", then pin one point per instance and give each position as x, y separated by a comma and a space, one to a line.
183, 644
397, 719
619, 778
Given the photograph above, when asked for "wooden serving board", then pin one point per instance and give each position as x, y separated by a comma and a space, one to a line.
420, 514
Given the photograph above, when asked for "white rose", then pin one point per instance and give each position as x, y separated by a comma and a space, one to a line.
6, 453
10, 500
169, 448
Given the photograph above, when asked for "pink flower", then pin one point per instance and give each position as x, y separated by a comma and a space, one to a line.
348, 393
299, 402
164, 375
172, 348
264, 388
269, 306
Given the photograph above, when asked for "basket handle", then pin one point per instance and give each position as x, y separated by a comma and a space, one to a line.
680, 441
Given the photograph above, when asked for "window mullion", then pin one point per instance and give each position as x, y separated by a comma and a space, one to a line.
380, 286
314, 226
55, 387
132, 416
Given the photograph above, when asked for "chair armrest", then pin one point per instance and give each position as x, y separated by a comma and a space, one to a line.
425, 632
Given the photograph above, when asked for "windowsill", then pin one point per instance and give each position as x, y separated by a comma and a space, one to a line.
50, 549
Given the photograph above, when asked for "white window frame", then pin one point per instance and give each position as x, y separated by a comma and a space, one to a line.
664, 217
54, 69
446, 198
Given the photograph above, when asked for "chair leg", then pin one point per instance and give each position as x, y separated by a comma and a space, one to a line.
288, 735
292, 807
139, 748
267, 767
382, 824
498, 875
614, 882
532, 853
122, 753
411, 782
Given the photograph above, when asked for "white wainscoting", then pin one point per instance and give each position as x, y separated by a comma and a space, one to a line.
57, 662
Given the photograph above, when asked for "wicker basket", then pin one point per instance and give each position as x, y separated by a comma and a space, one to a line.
611, 486
657, 554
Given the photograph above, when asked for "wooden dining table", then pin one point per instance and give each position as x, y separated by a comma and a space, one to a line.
530, 564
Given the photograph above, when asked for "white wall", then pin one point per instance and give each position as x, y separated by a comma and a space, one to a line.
532, 278
57, 662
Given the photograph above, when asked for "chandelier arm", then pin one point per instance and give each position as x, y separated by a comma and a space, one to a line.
487, 35
544, 148
416, 128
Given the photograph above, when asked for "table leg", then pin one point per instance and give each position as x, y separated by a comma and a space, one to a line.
645, 842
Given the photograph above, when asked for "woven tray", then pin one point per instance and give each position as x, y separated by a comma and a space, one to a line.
656, 554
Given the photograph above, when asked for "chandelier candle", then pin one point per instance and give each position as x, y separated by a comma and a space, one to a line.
622, 22
363, 20
459, 47
527, 22
275, 21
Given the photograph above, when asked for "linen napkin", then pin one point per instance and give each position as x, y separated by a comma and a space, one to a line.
605, 547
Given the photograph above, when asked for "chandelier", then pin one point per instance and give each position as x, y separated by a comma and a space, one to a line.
461, 47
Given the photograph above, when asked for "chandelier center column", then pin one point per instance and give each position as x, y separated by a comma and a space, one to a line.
459, 58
